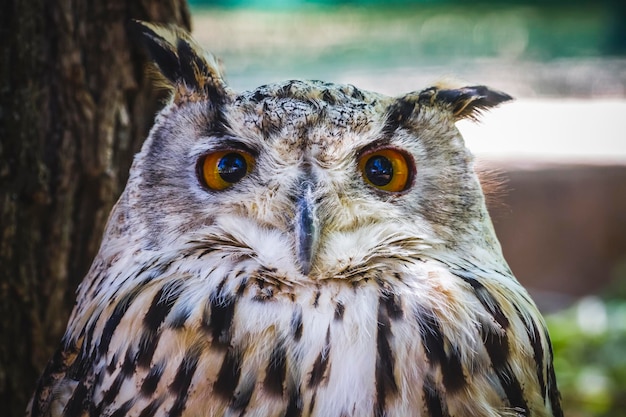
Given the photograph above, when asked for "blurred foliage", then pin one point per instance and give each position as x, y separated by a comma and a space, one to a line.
299, 3
589, 341
612, 28
547, 50
397, 36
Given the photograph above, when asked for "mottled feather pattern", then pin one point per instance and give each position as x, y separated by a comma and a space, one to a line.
199, 303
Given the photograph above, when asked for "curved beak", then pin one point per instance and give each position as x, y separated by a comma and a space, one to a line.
306, 227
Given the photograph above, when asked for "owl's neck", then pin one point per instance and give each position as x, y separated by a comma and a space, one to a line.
474, 247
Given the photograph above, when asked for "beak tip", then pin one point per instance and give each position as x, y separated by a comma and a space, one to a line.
305, 267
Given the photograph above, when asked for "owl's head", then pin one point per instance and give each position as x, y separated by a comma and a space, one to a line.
315, 179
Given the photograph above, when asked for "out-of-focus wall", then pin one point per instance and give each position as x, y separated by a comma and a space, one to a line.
563, 229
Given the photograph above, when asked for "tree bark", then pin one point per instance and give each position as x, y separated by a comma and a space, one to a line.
75, 105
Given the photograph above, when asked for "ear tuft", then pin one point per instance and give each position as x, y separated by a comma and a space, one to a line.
469, 102
186, 67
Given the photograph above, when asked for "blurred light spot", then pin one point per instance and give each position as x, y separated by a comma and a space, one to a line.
504, 34
594, 387
591, 316
592, 381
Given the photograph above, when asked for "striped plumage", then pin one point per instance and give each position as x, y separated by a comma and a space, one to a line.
301, 288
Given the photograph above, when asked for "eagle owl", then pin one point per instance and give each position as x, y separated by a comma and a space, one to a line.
302, 249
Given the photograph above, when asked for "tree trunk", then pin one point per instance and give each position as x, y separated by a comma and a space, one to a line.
75, 106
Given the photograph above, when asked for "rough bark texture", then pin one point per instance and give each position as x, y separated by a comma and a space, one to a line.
75, 105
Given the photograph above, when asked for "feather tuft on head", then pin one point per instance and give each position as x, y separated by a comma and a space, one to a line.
192, 73
468, 102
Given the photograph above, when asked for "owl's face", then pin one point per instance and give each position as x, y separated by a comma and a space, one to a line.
339, 176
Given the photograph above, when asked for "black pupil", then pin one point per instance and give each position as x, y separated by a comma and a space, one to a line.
379, 170
232, 167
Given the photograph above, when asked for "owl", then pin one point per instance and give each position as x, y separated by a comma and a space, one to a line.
302, 249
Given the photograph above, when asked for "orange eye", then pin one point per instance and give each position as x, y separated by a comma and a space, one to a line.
386, 169
219, 170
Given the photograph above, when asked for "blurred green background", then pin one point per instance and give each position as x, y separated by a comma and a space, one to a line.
552, 48
565, 62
